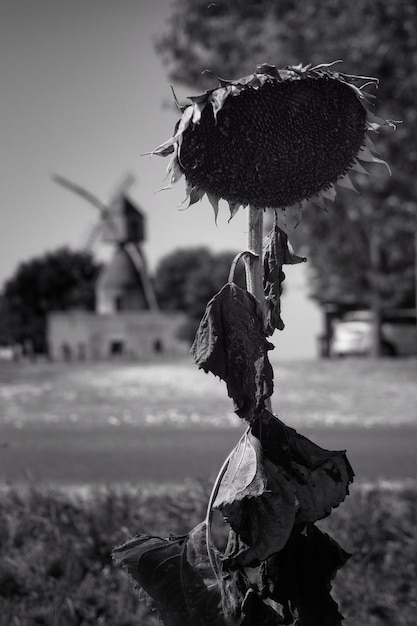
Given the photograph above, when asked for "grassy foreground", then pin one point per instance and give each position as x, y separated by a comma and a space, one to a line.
56, 570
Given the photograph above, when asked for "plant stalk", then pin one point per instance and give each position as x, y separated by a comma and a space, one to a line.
253, 263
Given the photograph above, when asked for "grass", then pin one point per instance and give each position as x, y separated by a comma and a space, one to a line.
55, 568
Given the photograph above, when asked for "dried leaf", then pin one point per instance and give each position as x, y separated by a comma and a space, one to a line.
234, 586
230, 343
274, 437
243, 476
276, 479
320, 478
320, 490
277, 252
155, 564
178, 577
199, 582
299, 578
257, 500
256, 612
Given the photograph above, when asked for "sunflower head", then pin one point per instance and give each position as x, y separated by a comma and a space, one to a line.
273, 139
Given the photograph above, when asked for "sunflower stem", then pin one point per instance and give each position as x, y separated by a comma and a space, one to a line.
253, 262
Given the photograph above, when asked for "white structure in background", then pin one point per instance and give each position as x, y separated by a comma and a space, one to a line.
127, 322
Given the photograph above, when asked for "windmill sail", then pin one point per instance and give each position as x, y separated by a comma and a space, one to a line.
121, 224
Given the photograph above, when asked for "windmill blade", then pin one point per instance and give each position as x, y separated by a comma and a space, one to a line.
111, 224
92, 199
93, 235
126, 182
80, 191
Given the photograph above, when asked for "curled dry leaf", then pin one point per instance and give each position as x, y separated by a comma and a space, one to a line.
244, 476
258, 502
277, 252
177, 575
230, 343
256, 612
320, 478
199, 583
299, 578
276, 479
234, 586
155, 565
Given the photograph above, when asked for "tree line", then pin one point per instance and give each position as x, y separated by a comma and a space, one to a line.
184, 280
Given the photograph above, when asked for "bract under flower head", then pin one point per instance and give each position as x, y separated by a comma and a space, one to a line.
274, 139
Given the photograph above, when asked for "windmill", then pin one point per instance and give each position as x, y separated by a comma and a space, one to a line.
124, 283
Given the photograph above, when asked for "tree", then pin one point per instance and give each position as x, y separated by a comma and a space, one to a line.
187, 278
374, 260
374, 38
57, 281
173, 273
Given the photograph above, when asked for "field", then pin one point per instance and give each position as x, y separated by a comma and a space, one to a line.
55, 568
112, 423
90, 455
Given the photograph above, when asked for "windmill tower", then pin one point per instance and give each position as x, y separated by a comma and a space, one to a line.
124, 283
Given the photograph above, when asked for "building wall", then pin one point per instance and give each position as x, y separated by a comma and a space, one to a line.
83, 335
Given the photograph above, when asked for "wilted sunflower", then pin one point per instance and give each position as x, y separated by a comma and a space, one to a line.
273, 139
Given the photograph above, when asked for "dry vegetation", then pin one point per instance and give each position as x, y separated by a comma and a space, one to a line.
56, 570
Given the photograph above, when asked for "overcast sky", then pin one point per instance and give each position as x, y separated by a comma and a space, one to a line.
82, 95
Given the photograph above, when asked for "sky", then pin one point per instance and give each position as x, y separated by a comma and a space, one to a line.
84, 95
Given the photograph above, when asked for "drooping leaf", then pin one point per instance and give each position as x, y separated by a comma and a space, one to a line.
257, 500
234, 586
256, 612
299, 577
319, 478
277, 252
155, 565
274, 437
214, 594
322, 478
244, 475
200, 585
276, 479
230, 343
178, 577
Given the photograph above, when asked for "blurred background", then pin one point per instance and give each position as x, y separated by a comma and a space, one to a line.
103, 280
